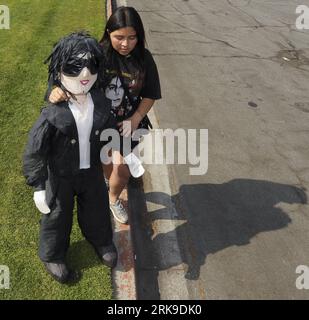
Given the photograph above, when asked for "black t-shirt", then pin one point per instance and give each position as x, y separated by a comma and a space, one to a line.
126, 91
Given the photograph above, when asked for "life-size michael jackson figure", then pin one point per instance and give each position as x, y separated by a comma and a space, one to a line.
62, 157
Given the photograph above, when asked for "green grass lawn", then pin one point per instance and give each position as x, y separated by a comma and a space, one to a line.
35, 26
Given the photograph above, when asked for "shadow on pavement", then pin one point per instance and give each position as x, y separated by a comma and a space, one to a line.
216, 216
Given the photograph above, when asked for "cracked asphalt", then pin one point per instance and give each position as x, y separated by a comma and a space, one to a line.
239, 69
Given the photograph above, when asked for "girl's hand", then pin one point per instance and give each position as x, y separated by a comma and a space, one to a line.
58, 95
128, 126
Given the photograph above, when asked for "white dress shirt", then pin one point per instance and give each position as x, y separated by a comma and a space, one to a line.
83, 115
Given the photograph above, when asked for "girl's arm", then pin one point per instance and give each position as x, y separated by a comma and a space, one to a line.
143, 108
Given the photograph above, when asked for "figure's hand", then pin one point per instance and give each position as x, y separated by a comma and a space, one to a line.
39, 198
128, 126
58, 95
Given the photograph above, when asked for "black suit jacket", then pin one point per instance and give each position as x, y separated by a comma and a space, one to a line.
53, 146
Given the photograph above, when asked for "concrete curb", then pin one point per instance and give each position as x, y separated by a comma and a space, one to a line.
123, 276
171, 277
157, 271
159, 268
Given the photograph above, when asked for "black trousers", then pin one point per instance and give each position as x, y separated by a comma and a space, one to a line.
89, 188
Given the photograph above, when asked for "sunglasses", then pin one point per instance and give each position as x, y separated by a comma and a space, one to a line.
74, 67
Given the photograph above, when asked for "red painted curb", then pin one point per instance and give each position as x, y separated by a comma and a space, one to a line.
123, 276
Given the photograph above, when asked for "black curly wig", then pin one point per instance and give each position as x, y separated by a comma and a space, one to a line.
67, 50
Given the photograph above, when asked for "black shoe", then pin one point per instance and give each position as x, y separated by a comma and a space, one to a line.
59, 271
108, 255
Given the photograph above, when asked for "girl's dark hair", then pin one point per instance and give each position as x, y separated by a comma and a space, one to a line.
67, 49
121, 18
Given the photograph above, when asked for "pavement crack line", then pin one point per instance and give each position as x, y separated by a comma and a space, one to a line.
244, 12
212, 56
301, 182
182, 13
202, 35
224, 42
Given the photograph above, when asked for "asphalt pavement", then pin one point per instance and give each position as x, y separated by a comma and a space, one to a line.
238, 68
